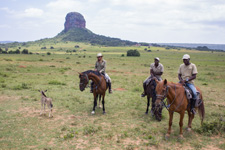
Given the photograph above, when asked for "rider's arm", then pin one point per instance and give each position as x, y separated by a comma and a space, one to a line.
179, 77
103, 69
152, 72
192, 77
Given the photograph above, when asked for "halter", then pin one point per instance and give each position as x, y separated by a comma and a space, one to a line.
88, 82
162, 97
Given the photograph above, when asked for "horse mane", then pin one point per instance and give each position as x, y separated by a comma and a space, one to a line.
91, 71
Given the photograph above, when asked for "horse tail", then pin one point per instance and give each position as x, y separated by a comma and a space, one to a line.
201, 111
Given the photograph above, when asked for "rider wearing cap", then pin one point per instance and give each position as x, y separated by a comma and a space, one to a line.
100, 66
186, 74
156, 70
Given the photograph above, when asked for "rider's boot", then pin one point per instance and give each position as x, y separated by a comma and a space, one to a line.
193, 106
92, 84
143, 94
110, 88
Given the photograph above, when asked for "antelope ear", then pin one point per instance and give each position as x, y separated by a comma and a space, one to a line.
46, 90
165, 82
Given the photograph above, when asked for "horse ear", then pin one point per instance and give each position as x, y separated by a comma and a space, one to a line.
79, 73
156, 80
39, 91
46, 90
165, 82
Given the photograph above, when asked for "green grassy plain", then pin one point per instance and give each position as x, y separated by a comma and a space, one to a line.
124, 126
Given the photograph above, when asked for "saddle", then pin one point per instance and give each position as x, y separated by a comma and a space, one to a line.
189, 95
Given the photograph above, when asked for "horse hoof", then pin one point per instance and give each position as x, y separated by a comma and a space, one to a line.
167, 136
146, 113
189, 129
93, 112
104, 112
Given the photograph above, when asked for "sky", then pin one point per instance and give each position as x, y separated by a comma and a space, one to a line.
153, 21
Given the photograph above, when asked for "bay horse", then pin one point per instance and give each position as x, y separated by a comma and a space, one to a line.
177, 102
99, 89
150, 92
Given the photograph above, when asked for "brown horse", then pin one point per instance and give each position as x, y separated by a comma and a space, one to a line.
99, 86
177, 102
150, 92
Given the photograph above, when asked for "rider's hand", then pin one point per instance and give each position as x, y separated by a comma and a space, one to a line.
182, 82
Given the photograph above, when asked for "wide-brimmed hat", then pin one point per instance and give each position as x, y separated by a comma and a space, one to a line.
99, 55
157, 58
186, 56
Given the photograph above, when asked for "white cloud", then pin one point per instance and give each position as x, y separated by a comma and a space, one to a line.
32, 12
64, 5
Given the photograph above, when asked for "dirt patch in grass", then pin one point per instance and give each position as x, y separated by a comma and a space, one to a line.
211, 147
6, 98
119, 89
21, 66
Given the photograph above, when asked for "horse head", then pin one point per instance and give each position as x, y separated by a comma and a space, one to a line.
161, 92
83, 81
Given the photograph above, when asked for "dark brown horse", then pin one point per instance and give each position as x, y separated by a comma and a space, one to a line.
99, 86
177, 102
150, 92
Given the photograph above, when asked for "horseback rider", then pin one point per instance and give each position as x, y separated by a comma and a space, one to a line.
156, 70
186, 74
100, 66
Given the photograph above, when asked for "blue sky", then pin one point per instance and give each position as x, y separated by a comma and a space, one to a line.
155, 21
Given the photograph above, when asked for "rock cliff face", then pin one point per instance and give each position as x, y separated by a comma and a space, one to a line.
74, 20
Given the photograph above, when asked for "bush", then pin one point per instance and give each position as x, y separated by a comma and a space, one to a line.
25, 51
122, 55
133, 53
48, 53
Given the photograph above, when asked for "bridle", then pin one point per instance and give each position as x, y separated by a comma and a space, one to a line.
86, 79
88, 82
162, 97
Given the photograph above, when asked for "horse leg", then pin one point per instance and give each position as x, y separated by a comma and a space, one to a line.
170, 124
100, 101
103, 103
190, 118
148, 102
95, 104
181, 124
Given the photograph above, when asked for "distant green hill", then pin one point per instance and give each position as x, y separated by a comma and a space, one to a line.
85, 35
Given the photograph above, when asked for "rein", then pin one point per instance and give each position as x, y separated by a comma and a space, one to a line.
164, 96
99, 83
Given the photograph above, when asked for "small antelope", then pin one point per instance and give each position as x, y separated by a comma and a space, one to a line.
45, 100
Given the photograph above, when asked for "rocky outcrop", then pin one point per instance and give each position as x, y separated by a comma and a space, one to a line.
74, 20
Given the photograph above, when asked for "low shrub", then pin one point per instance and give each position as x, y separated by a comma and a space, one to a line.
215, 127
133, 53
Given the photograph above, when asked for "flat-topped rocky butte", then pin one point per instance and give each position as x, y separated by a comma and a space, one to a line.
74, 20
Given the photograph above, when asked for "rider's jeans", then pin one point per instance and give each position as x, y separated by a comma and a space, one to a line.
192, 87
